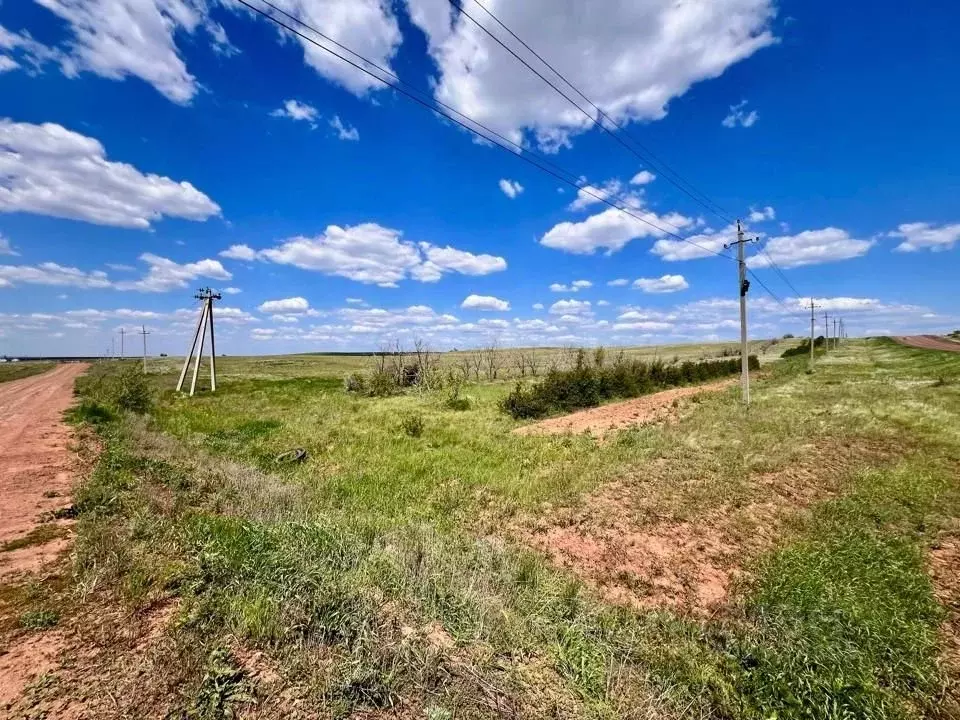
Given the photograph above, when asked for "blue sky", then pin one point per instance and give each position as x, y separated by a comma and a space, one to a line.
149, 148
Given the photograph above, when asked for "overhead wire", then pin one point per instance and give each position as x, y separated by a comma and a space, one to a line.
678, 181
433, 105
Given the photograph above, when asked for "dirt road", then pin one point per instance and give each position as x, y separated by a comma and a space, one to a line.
35, 466
619, 415
929, 342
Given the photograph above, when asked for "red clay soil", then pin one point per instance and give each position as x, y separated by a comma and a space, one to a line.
36, 474
616, 416
929, 342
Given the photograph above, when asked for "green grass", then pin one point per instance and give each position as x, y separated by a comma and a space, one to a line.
382, 571
16, 371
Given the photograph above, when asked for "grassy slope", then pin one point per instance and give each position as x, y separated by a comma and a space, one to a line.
373, 575
15, 371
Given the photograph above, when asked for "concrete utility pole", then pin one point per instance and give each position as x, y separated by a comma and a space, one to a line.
744, 287
143, 331
207, 296
813, 322
836, 338
122, 331
826, 333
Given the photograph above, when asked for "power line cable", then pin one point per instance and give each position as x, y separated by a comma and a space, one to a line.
678, 181
413, 94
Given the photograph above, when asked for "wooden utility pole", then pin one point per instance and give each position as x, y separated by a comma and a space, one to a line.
744, 287
143, 331
206, 296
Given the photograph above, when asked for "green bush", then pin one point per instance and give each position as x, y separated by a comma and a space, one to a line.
803, 348
355, 383
587, 386
412, 425
118, 389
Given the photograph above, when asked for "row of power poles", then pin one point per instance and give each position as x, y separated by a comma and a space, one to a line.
839, 331
111, 351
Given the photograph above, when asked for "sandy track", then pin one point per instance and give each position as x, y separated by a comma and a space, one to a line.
35, 460
615, 416
929, 342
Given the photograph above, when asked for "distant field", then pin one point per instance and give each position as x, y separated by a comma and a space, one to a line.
424, 561
318, 365
17, 370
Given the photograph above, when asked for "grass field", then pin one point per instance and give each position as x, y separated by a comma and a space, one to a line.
730, 564
15, 371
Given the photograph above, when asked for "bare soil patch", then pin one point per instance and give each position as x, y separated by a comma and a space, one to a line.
945, 572
929, 342
648, 541
615, 416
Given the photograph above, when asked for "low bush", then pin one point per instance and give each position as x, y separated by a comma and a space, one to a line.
803, 348
412, 425
126, 389
588, 385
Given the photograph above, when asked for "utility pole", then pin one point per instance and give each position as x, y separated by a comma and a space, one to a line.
836, 338
122, 331
206, 296
813, 322
143, 331
744, 287
826, 333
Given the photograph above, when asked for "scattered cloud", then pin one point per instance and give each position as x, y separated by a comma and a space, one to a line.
921, 236
164, 274
510, 188
610, 191
355, 301
763, 214
120, 267
288, 306
644, 177
739, 116
485, 302
231, 291
239, 252
619, 282
706, 244
52, 274
370, 253
5, 247
538, 306
570, 307
663, 284
811, 247
609, 230
296, 110
575, 286
344, 132
49, 170
660, 49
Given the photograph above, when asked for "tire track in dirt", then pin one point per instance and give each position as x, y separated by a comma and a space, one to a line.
36, 475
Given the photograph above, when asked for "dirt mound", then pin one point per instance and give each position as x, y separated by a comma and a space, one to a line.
638, 411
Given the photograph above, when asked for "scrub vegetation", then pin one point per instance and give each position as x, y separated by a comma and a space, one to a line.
403, 567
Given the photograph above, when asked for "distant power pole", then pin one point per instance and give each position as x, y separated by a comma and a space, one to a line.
143, 331
836, 338
122, 331
826, 333
207, 296
744, 287
813, 322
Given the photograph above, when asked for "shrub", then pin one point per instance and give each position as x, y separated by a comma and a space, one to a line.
587, 386
355, 383
803, 348
413, 425
382, 384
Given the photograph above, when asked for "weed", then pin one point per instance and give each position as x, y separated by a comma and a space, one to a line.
413, 425
39, 619
223, 690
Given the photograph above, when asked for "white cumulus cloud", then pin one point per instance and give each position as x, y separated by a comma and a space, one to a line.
287, 306
239, 252
811, 247
663, 284
510, 188
370, 253
296, 110
49, 170
631, 58
921, 235
644, 177
739, 116
609, 230
344, 132
164, 274
484, 302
